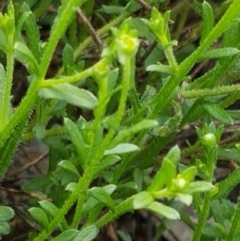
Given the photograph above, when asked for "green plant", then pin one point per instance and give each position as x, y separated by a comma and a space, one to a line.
118, 116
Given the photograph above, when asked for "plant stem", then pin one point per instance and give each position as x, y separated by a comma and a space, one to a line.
69, 79
7, 89
235, 223
93, 165
203, 217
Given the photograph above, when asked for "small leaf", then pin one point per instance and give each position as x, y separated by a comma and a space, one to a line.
52, 210
108, 161
6, 213
185, 198
231, 154
138, 176
67, 165
68, 59
38, 183
49, 207
24, 55
217, 112
4, 228
73, 95
32, 32
102, 196
142, 200
122, 148
161, 68
77, 140
110, 188
164, 210
112, 9
67, 235
199, 186
87, 234
208, 20
71, 186
219, 53
125, 134
40, 216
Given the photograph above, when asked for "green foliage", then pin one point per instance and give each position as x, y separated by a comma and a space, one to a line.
105, 155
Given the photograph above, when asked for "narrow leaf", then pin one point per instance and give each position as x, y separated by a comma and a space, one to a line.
142, 200
67, 165
71, 94
199, 186
208, 20
122, 148
141, 126
40, 216
219, 53
87, 234
24, 55
77, 140
217, 112
32, 32
164, 210
67, 235
160, 68
102, 196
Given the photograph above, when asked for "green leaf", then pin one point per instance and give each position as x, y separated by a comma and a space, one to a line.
219, 53
24, 55
20, 23
121, 149
189, 173
138, 176
199, 186
67, 235
2, 88
217, 112
38, 183
126, 186
125, 134
108, 161
102, 196
6, 213
68, 57
67, 165
208, 20
142, 200
3, 42
223, 210
167, 171
71, 186
4, 228
225, 186
32, 32
185, 198
110, 188
112, 9
231, 154
87, 234
161, 68
164, 210
73, 95
40, 216
52, 210
77, 140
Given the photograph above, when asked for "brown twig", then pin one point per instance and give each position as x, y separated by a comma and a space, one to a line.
90, 29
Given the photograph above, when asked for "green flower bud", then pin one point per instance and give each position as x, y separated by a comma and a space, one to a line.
209, 140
